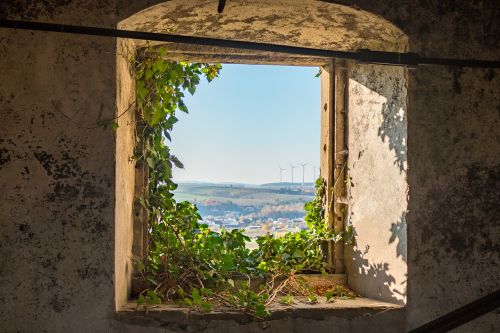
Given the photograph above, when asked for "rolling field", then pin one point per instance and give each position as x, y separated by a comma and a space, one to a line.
262, 200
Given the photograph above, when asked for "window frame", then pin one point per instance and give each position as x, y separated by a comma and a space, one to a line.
332, 139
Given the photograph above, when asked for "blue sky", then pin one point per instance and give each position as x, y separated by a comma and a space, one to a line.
247, 122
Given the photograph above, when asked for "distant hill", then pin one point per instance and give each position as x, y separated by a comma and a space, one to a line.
236, 184
288, 184
266, 200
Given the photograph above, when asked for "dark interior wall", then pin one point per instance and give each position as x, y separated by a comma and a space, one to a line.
453, 225
56, 172
57, 167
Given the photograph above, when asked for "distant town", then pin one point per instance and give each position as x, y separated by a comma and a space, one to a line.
255, 227
275, 208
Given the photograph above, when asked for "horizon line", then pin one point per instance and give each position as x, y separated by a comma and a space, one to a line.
239, 182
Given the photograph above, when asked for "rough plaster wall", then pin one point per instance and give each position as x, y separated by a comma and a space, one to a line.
453, 157
57, 267
305, 23
88, 12
57, 175
376, 264
125, 170
450, 28
454, 230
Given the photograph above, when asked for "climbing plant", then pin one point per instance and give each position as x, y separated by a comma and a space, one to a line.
187, 262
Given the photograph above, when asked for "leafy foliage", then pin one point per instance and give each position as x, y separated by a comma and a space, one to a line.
312, 299
187, 261
339, 292
287, 300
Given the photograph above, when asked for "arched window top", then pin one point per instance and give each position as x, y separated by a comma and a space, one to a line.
305, 23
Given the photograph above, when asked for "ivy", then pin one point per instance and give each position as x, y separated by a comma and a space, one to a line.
187, 262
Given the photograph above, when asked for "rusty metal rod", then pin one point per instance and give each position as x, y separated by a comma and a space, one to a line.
220, 7
461, 315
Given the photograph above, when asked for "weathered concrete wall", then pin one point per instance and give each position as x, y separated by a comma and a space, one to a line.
125, 170
453, 225
376, 263
285, 22
57, 173
57, 169
453, 157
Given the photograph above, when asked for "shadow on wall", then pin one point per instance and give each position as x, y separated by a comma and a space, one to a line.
378, 164
390, 84
398, 233
376, 276
393, 129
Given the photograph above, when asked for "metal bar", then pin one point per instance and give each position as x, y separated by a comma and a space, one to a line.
220, 8
461, 315
367, 56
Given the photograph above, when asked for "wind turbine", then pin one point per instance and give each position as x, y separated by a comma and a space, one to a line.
303, 166
281, 173
314, 172
291, 168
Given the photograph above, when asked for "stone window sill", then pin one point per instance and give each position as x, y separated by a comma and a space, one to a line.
171, 315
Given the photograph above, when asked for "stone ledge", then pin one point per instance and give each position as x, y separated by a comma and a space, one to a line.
178, 318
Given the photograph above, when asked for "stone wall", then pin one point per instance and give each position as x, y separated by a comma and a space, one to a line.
378, 189
57, 175
57, 167
453, 220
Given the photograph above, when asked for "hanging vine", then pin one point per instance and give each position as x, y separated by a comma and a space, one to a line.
187, 262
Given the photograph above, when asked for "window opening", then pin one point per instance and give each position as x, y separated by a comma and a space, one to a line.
372, 263
250, 148
186, 255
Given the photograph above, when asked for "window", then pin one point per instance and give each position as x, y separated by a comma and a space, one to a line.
327, 170
339, 89
250, 148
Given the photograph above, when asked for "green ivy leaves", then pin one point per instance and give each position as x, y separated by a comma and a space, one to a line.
198, 299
